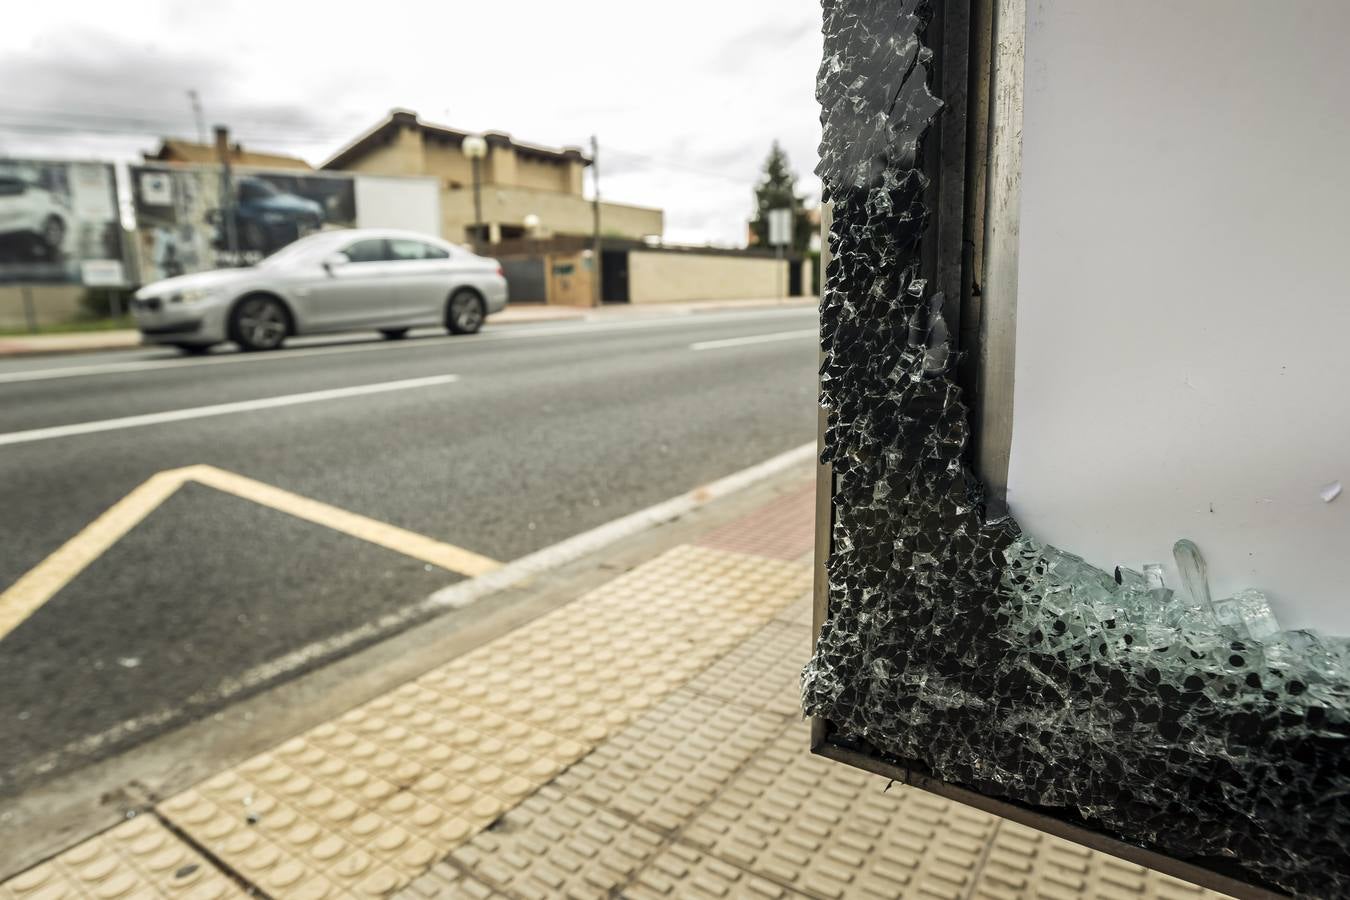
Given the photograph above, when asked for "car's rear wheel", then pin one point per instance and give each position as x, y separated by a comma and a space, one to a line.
394, 334
464, 313
259, 322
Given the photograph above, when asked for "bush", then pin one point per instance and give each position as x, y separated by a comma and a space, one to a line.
98, 303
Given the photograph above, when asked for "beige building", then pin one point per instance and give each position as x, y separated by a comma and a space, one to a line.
517, 180
172, 150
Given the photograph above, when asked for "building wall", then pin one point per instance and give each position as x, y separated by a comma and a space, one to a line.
52, 304
543, 175
501, 165
558, 212
403, 155
575, 173
445, 161
663, 277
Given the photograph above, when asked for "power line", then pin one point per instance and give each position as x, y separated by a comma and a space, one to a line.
156, 118
60, 122
92, 129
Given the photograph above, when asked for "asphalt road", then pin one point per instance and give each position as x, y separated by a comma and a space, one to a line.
547, 431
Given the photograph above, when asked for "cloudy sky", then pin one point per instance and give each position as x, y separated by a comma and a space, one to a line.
684, 97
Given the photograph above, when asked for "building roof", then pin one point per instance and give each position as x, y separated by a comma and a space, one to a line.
174, 150
406, 118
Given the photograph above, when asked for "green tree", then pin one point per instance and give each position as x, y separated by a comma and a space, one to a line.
777, 189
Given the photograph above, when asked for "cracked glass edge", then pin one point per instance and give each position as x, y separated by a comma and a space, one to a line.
1166, 718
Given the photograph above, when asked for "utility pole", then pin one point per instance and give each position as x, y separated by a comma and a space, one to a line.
227, 194
475, 148
595, 232
479, 239
197, 115
778, 255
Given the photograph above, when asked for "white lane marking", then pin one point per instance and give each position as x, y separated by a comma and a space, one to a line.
218, 409
524, 332
455, 596
143, 365
753, 339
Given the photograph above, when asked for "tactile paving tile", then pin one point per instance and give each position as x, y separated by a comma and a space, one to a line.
444, 882
763, 673
586, 669
138, 859
1025, 863
681, 871
369, 801
672, 761
835, 832
784, 528
556, 845
798, 613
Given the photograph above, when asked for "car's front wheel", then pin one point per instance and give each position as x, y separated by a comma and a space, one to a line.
464, 313
259, 323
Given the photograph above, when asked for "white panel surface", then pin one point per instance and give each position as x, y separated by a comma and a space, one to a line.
413, 204
1183, 316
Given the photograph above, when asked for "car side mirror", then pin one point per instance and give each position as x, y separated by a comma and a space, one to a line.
334, 261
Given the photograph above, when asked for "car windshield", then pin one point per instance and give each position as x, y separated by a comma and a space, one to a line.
260, 188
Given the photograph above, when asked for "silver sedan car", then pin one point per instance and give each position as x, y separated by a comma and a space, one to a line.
350, 280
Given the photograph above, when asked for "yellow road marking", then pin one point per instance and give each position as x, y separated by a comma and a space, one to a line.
41, 582
409, 543
25, 596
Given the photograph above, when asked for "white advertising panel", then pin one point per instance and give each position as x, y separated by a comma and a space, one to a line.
413, 204
1182, 309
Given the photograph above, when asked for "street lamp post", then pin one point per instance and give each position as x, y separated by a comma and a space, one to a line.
475, 148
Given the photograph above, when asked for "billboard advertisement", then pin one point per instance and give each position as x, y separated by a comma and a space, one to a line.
187, 222
59, 221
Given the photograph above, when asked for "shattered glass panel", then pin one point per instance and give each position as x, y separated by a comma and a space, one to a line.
957, 645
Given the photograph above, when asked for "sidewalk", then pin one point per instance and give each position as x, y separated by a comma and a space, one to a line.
642, 741
523, 313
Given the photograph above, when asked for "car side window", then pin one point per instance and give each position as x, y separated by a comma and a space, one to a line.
402, 249
371, 250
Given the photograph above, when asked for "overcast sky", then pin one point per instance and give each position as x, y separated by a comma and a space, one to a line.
684, 97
